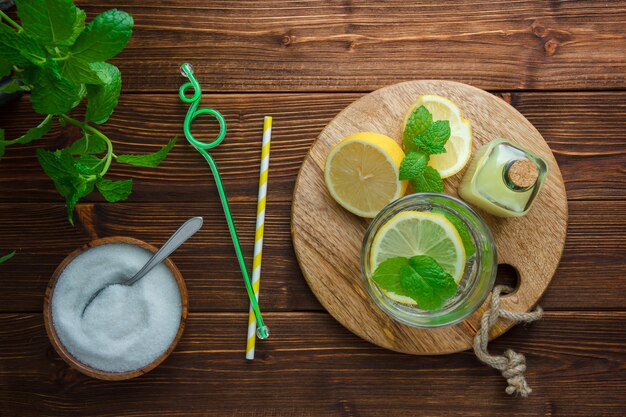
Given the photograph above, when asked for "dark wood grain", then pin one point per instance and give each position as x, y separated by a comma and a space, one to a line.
589, 276
576, 368
345, 45
585, 131
560, 63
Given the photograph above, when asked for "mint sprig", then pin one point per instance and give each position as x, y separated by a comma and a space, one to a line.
420, 277
61, 62
421, 138
6, 257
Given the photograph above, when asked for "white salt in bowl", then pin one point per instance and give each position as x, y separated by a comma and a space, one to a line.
58, 326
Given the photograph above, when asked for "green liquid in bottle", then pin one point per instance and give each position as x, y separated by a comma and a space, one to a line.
503, 179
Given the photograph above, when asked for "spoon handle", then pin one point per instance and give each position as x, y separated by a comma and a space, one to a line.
184, 232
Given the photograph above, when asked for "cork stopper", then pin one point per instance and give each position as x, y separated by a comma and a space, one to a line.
522, 173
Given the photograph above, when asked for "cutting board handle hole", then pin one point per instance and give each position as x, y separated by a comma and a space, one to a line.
508, 275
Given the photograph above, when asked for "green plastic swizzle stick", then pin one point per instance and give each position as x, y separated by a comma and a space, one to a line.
203, 147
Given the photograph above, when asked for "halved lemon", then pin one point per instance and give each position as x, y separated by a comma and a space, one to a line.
362, 173
459, 146
411, 233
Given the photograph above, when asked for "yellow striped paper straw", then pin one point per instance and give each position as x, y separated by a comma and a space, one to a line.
258, 236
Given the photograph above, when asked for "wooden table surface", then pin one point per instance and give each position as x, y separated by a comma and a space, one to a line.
560, 63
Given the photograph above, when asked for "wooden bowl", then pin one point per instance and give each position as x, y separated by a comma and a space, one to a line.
67, 356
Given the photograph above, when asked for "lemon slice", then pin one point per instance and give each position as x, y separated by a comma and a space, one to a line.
411, 233
440, 107
362, 173
458, 152
459, 146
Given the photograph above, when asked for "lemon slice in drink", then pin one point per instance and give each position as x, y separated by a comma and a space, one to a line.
411, 233
362, 173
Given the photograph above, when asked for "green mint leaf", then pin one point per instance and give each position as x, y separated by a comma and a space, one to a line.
80, 72
387, 274
51, 93
86, 164
436, 136
13, 86
5, 68
79, 25
426, 282
413, 165
36, 132
6, 257
104, 37
51, 21
429, 181
85, 188
88, 144
462, 229
147, 160
102, 99
114, 191
19, 48
67, 176
424, 144
416, 125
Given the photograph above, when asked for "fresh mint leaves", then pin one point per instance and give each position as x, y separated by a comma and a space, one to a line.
104, 37
6, 257
413, 165
428, 180
421, 138
147, 160
61, 62
419, 277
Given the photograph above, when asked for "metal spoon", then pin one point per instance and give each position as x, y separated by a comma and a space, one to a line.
184, 232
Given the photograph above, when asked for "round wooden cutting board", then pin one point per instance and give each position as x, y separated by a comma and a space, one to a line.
327, 238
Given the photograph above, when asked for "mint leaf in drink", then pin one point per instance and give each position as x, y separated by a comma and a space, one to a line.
104, 37
426, 282
102, 99
416, 125
429, 181
114, 191
50, 21
387, 274
462, 230
147, 160
88, 144
413, 165
51, 93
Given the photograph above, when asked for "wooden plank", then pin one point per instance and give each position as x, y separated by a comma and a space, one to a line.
311, 366
589, 276
341, 45
585, 131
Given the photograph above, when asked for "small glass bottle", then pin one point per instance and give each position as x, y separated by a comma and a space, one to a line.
503, 179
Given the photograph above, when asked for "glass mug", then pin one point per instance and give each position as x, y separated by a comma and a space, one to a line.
478, 277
